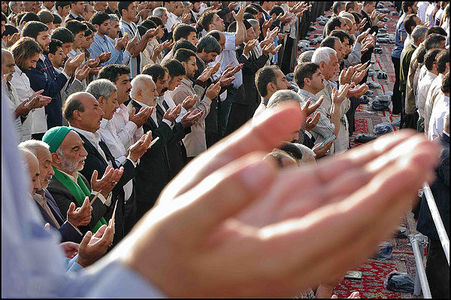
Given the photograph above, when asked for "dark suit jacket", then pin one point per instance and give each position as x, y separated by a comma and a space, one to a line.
440, 191
152, 173
250, 67
63, 198
175, 148
95, 161
66, 229
45, 77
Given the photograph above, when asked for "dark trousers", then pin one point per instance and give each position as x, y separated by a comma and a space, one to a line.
37, 136
437, 270
350, 114
239, 114
224, 108
396, 99
130, 218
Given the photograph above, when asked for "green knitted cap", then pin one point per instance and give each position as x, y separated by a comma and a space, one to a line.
55, 136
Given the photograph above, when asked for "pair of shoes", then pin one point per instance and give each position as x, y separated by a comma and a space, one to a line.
382, 75
369, 93
378, 50
373, 85
364, 138
383, 128
364, 99
322, 23
377, 105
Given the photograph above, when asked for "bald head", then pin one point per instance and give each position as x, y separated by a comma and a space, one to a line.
82, 111
32, 165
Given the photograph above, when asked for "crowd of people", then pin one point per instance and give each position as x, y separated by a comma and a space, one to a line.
162, 143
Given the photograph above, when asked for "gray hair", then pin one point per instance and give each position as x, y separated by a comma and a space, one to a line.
158, 11
322, 54
113, 17
283, 95
346, 14
305, 56
101, 87
254, 23
12, 4
33, 146
419, 32
139, 82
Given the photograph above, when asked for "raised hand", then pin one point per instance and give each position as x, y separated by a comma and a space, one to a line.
73, 63
311, 122
239, 17
307, 109
213, 90
94, 62
138, 149
225, 81
357, 91
190, 118
94, 247
108, 181
346, 75
186, 17
321, 150
362, 24
189, 102
339, 96
173, 113
141, 117
82, 72
12, 39
230, 256
363, 35
70, 249
80, 216
249, 46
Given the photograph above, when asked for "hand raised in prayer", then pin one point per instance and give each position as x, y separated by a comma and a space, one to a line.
226, 81
213, 90
173, 113
189, 119
311, 122
82, 72
70, 249
189, 102
339, 96
249, 46
265, 254
80, 216
320, 150
138, 149
141, 117
239, 17
12, 39
357, 91
94, 247
108, 181
307, 109
73, 63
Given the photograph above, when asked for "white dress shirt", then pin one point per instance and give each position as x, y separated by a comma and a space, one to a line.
423, 89
434, 93
24, 91
436, 124
125, 128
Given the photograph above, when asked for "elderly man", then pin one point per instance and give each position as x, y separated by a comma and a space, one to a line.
47, 204
84, 115
327, 60
106, 94
68, 185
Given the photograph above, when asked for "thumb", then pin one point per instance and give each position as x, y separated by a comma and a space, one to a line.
85, 241
132, 114
47, 226
240, 181
71, 208
94, 177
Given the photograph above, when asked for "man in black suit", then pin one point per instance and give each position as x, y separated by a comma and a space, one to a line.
84, 114
153, 172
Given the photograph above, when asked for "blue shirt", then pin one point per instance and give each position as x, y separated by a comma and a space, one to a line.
106, 44
400, 32
33, 264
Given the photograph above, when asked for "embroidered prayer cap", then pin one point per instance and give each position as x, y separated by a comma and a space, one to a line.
55, 136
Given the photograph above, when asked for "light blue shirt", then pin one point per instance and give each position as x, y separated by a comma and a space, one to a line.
132, 29
400, 32
33, 264
227, 56
106, 44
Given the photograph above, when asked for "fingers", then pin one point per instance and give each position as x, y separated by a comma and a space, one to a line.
263, 133
71, 208
94, 177
243, 180
85, 241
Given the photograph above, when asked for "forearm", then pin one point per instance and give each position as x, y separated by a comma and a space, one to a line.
240, 33
335, 117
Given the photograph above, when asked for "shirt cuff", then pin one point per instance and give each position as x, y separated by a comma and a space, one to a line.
168, 122
134, 163
106, 201
73, 265
67, 76
245, 56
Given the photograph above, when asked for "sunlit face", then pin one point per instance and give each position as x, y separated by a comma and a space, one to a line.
316, 83
217, 23
91, 115
110, 105
178, 9
281, 81
150, 93
332, 68
58, 58
100, 6
123, 87
132, 14
8, 66
162, 84
104, 28
192, 38
43, 40
45, 166
174, 82
33, 169
63, 11
114, 29
78, 7
88, 41
73, 154
190, 66
88, 12
79, 39
30, 63
67, 47
339, 48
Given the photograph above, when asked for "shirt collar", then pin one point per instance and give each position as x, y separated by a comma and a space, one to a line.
307, 94
94, 138
187, 81
103, 123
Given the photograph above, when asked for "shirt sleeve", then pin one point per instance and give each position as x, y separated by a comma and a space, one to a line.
229, 41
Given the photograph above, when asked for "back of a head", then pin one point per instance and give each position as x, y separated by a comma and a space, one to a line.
208, 44
409, 22
112, 72
76, 26
329, 42
140, 82
45, 16
283, 96
442, 60
99, 17
342, 36
336, 7
156, 71
183, 44
182, 31
264, 76
10, 30
445, 84
54, 45
304, 70
63, 34
437, 30
73, 103
405, 5
29, 17
419, 33
175, 68
101, 87
430, 58
433, 41
306, 56
183, 55
331, 24
33, 28
322, 54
